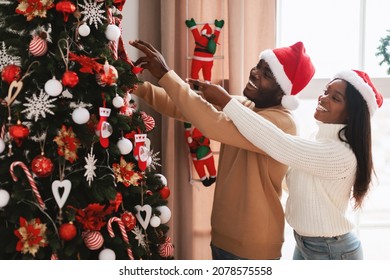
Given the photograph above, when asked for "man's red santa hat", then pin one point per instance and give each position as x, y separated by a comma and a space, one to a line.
293, 70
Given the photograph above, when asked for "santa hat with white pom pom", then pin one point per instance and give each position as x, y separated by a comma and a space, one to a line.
293, 70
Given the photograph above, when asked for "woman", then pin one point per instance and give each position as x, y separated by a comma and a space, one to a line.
326, 172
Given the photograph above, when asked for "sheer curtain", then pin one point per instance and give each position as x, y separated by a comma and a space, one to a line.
249, 28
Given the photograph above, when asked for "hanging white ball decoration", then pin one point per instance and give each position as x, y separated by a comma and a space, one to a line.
2, 145
118, 102
165, 215
162, 178
155, 221
53, 87
80, 115
125, 146
84, 30
112, 32
4, 198
107, 255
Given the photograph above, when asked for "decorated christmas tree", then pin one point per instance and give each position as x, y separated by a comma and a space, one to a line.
78, 175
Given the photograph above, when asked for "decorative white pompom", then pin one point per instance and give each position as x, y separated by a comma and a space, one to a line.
2, 145
84, 30
112, 32
290, 102
107, 255
165, 214
125, 146
162, 178
4, 198
155, 221
53, 87
80, 115
118, 102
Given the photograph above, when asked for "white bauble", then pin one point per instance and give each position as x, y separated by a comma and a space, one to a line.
162, 178
107, 255
155, 221
4, 198
53, 87
2, 145
165, 215
80, 115
118, 102
125, 146
112, 32
84, 30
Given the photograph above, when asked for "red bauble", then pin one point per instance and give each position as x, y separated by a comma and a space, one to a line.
70, 79
164, 192
128, 220
18, 133
42, 166
67, 231
10, 73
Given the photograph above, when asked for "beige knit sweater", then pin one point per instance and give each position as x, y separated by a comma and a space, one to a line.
247, 216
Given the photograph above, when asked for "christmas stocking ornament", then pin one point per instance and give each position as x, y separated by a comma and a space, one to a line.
104, 128
139, 141
141, 151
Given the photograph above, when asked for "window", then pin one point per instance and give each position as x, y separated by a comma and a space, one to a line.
343, 35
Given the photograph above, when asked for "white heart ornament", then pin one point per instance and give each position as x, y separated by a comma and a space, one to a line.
66, 185
148, 210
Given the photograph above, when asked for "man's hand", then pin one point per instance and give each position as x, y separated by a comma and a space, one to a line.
215, 94
153, 61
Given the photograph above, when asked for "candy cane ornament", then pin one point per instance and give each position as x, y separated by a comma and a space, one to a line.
30, 179
123, 232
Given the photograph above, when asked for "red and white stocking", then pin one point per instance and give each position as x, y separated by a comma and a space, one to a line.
104, 128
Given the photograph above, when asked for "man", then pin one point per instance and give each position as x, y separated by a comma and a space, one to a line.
247, 217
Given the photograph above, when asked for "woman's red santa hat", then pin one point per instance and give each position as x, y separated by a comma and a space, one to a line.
363, 84
292, 69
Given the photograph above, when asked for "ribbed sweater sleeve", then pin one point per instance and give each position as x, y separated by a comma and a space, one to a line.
327, 158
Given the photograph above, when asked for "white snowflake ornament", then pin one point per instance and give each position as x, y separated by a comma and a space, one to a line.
139, 236
5, 58
38, 106
93, 12
90, 167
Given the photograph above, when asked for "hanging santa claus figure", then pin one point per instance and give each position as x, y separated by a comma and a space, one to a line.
205, 47
203, 59
201, 154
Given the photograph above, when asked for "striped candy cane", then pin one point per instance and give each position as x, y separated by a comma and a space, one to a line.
123, 232
30, 179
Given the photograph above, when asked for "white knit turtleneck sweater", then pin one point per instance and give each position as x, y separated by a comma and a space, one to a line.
321, 175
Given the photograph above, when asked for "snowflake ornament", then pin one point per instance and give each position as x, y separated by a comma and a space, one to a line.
92, 12
90, 167
154, 160
139, 236
38, 106
5, 58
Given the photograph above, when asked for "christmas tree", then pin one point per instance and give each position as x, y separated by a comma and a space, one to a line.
78, 175
383, 50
